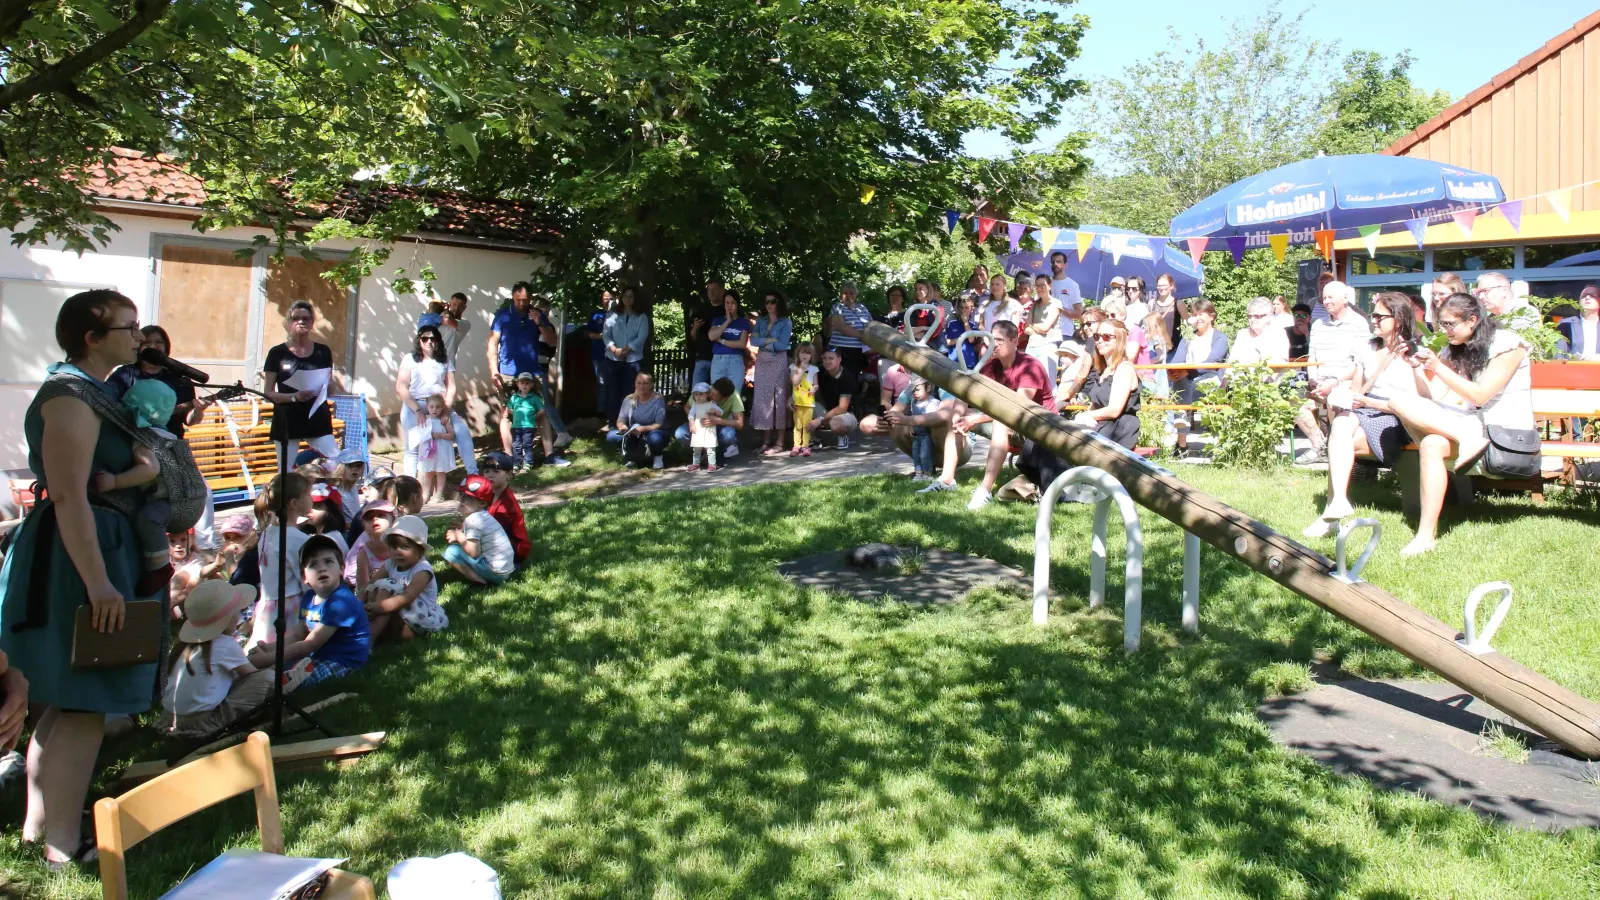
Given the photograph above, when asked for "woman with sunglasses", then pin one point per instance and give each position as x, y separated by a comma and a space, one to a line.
1364, 427
772, 338
1480, 378
1112, 385
427, 371
293, 418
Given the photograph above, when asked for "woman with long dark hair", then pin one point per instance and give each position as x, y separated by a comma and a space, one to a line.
76, 548
1366, 427
424, 372
769, 407
1480, 378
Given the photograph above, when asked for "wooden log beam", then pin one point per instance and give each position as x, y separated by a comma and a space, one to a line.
1541, 704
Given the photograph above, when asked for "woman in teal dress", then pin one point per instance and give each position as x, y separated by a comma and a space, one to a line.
73, 549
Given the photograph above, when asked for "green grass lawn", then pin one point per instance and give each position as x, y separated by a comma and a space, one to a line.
653, 712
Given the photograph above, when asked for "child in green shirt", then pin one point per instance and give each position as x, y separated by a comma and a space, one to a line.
525, 406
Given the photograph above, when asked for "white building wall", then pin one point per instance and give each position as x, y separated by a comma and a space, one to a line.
384, 327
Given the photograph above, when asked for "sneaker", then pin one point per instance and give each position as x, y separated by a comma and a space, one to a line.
630, 464
980, 499
12, 767
691, 467
731, 452
558, 462
1321, 528
844, 443
658, 463
711, 467
919, 477
937, 486
795, 452
1312, 457
562, 440
805, 451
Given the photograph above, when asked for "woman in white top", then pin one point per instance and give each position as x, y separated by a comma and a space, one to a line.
1360, 424
426, 371
999, 307
1282, 315
1482, 377
1044, 328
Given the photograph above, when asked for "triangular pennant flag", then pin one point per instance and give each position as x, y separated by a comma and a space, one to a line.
1085, 238
951, 217
1197, 246
1419, 229
1325, 243
1512, 210
1236, 247
1047, 238
1280, 244
1118, 245
867, 191
984, 227
1464, 220
1014, 233
1369, 233
1561, 202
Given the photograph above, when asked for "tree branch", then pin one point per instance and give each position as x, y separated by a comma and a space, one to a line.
60, 77
12, 14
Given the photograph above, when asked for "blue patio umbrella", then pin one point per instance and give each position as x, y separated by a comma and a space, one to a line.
1114, 251
1338, 192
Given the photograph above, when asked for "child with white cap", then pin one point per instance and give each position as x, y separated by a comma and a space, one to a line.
702, 435
406, 599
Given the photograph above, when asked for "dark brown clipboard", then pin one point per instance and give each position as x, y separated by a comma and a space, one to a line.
136, 643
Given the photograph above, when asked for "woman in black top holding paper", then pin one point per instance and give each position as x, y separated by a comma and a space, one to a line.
290, 367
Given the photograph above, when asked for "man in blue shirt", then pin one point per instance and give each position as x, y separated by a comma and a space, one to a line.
514, 347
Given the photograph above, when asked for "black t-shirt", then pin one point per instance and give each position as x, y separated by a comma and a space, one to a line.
830, 389
700, 345
291, 419
124, 377
894, 320
1299, 344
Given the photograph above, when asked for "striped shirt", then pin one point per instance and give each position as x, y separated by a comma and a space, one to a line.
1337, 346
856, 317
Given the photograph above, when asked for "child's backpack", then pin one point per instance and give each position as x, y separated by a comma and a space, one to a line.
186, 487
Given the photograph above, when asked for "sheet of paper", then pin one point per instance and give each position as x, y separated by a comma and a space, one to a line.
251, 875
311, 380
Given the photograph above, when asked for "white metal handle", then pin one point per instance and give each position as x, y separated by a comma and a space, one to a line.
961, 342
1478, 644
936, 328
1354, 574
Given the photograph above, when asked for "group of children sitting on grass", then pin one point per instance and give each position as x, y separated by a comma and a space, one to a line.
357, 574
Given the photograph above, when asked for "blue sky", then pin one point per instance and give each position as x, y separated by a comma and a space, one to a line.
1457, 44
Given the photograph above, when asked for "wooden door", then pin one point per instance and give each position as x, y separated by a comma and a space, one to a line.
204, 302
298, 278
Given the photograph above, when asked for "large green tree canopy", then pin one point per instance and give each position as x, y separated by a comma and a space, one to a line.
681, 138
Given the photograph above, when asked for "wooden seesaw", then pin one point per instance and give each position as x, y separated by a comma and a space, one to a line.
1536, 701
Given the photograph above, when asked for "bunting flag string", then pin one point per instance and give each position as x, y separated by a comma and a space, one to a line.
1118, 245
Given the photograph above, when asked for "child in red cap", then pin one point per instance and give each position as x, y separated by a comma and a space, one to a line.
479, 549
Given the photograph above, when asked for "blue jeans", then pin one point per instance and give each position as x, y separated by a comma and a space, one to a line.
655, 440
522, 446
702, 372
453, 554
729, 366
726, 436
922, 450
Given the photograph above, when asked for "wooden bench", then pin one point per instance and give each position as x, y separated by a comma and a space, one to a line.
234, 450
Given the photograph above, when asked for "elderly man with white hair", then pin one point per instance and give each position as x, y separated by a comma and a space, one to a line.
1336, 346
1494, 291
1259, 340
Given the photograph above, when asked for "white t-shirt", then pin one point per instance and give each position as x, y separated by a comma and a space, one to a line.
452, 335
493, 544
1137, 310
429, 598
427, 377
1008, 310
1068, 295
1396, 378
204, 690
1271, 346
1513, 406
1591, 338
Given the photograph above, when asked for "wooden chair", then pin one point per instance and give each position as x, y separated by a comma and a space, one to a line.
121, 822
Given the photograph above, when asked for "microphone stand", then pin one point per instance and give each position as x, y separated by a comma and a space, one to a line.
272, 708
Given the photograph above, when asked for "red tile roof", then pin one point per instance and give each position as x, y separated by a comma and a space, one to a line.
160, 179
1527, 63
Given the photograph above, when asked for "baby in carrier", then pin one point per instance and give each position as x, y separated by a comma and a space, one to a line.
151, 404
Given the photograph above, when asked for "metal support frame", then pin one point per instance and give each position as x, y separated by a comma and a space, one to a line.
961, 358
1133, 580
1191, 582
1353, 574
1471, 641
936, 328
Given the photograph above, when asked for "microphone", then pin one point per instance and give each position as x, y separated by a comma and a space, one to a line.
158, 359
